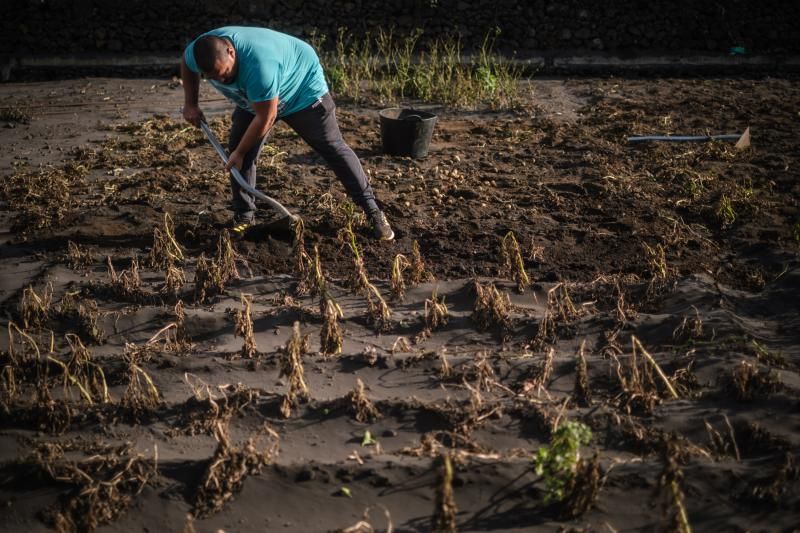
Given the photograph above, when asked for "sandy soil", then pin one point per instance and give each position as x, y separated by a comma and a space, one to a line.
685, 253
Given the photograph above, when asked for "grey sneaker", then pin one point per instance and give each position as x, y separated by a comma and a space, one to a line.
381, 229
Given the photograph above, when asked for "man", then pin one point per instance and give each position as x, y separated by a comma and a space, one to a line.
270, 76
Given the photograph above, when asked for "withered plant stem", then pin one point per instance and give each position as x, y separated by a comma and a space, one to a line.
436, 312
652, 361
291, 367
244, 328
166, 250
331, 334
444, 514
35, 308
583, 392
377, 309
418, 272
360, 405
514, 265
491, 309
397, 284
302, 260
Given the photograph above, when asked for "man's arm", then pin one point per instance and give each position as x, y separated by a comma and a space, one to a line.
191, 93
266, 113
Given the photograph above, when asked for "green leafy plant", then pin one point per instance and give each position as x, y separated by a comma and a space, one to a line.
368, 439
557, 462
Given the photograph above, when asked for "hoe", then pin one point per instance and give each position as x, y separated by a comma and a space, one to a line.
286, 219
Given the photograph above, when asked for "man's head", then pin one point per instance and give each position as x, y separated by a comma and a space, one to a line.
216, 58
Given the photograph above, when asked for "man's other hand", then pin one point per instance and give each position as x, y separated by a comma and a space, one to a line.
235, 160
193, 115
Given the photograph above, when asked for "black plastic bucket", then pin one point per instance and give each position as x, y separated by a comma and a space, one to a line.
406, 132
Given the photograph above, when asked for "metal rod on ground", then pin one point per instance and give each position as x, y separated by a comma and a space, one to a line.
742, 139
275, 204
685, 138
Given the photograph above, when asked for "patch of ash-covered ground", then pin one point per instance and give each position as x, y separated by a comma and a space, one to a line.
152, 368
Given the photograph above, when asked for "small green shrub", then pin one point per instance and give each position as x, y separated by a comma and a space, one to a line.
557, 463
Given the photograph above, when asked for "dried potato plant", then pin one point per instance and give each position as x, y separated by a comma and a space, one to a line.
397, 284
243, 320
182, 340
747, 382
206, 408
660, 272
513, 264
50, 415
436, 313
541, 375
207, 281
583, 392
377, 311
127, 285
419, 272
35, 308
80, 371
9, 389
226, 257
435, 316
88, 316
584, 488
291, 366
86, 313
42, 198
638, 382
656, 261
174, 280
166, 250
229, 467
78, 257
359, 405
105, 484
671, 491
211, 276
559, 311
47, 414
173, 336
11, 365
445, 510
141, 397
330, 335
302, 260
492, 309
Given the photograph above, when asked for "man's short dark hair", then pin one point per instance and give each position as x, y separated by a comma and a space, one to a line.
207, 49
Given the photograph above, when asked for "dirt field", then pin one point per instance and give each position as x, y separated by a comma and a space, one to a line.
663, 313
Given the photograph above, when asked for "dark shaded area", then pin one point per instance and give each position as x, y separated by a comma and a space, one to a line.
143, 26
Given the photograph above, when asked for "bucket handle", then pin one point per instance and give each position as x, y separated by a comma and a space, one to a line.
417, 117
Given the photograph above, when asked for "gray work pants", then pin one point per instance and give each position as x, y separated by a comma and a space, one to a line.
317, 126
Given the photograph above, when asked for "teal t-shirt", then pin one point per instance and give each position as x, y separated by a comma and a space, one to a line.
270, 64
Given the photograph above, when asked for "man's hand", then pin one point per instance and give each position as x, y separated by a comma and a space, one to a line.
235, 160
193, 115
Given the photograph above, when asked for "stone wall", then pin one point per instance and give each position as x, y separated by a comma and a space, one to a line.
766, 27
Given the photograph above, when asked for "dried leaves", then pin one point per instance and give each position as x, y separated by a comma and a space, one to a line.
291, 367
226, 471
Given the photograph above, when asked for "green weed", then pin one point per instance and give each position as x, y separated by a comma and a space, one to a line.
557, 462
391, 68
